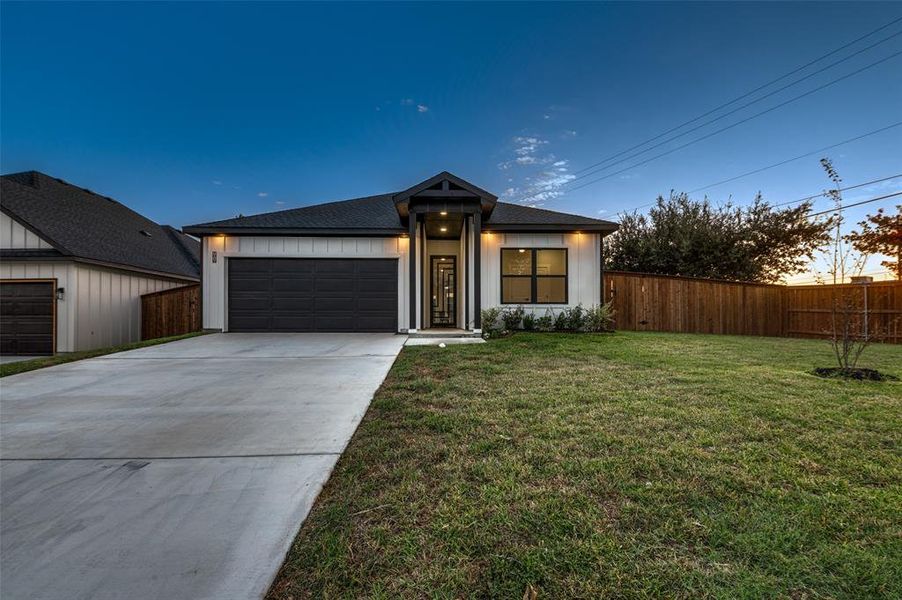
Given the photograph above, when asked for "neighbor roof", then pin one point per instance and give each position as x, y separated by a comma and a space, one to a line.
79, 223
374, 215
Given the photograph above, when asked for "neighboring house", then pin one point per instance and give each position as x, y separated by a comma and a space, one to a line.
431, 256
73, 266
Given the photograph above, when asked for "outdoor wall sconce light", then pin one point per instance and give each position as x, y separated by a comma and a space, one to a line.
213, 257
60, 293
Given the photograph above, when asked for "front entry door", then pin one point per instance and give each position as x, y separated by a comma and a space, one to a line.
444, 291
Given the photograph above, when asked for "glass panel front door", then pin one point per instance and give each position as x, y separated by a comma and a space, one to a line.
444, 291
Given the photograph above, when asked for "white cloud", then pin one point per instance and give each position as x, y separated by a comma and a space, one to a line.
279, 203
262, 194
421, 108
568, 133
216, 182
407, 102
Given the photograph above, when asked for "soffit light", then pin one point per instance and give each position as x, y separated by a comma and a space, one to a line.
443, 229
444, 213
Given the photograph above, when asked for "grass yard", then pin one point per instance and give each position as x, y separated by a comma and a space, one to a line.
640, 465
67, 357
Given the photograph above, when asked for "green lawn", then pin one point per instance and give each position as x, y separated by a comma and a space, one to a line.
639, 465
66, 357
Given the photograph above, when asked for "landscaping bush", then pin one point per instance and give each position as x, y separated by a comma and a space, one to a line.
512, 317
546, 323
600, 318
491, 324
561, 321
529, 322
576, 318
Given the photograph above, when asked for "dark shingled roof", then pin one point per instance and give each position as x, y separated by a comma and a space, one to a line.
379, 213
82, 224
372, 212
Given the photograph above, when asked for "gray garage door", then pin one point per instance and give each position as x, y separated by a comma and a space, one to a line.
303, 294
26, 317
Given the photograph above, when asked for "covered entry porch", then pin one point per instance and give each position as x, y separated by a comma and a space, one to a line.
444, 218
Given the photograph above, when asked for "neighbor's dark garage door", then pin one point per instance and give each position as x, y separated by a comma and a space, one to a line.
303, 294
26, 317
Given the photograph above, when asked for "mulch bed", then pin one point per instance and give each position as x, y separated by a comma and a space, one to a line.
858, 374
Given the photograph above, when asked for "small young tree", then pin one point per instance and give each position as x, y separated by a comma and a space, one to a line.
848, 330
881, 234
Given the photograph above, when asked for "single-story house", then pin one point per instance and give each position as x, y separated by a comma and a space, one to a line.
431, 256
74, 264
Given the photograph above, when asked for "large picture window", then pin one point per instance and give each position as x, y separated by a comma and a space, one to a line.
534, 276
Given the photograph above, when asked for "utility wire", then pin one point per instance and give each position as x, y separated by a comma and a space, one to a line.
747, 94
850, 187
737, 123
841, 208
799, 157
726, 114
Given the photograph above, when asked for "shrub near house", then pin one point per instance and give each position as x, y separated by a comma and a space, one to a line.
597, 319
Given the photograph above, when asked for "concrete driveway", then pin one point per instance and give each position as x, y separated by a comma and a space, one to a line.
176, 471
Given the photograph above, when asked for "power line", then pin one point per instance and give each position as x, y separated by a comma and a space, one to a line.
840, 208
747, 94
726, 114
850, 187
799, 157
721, 130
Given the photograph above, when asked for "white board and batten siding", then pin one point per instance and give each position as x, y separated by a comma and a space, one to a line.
100, 307
215, 279
583, 266
15, 236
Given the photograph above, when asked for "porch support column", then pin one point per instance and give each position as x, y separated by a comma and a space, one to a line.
477, 270
412, 261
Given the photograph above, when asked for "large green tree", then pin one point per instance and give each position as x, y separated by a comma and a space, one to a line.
881, 233
682, 236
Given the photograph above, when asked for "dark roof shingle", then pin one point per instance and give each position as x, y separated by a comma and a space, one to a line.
82, 224
380, 213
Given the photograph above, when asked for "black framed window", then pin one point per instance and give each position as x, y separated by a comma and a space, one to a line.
534, 276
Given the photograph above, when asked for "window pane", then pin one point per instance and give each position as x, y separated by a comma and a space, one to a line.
551, 262
552, 290
516, 261
516, 290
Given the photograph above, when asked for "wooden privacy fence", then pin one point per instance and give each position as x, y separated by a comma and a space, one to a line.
170, 312
645, 302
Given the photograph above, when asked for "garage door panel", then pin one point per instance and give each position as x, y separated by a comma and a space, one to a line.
378, 288
330, 285
249, 284
326, 305
239, 303
305, 284
293, 267
293, 294
26, 317
251, 266
281, 304
335, 266
377, 267
376, 305
291, 323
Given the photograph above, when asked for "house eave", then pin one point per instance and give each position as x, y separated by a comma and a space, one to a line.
44, 256
602, 228
203, 230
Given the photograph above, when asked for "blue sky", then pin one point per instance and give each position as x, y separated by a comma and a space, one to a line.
194, 112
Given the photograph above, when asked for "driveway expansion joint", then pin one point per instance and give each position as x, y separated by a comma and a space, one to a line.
197, 457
